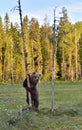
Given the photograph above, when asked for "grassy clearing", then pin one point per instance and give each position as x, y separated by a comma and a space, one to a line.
67, 114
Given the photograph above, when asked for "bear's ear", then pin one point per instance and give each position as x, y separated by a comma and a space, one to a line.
34, 73
39, 75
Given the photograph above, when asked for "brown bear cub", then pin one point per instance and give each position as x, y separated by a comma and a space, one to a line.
33, 79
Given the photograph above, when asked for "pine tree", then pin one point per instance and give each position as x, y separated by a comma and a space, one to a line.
6, 50
17, 57
28, 45
78, 48
1, 47
65, 48
80, 57
34, 31
46, 46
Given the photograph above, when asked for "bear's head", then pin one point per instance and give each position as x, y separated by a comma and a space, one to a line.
34, 78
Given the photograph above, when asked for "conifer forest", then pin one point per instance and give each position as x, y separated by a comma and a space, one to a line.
39, 40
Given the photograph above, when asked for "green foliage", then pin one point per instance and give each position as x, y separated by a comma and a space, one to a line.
67, 53
27, 42
38, 40
46, 48
34, 31
1, 46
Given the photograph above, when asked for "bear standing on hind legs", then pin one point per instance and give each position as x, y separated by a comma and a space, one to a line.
33, 79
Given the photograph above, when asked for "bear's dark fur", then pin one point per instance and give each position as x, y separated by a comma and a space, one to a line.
33, 79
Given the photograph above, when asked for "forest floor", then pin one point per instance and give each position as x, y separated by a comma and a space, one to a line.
66, 116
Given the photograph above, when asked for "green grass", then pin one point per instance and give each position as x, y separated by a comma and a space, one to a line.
67, 114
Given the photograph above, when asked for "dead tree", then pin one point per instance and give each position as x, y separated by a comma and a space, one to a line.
24, 50
53, 60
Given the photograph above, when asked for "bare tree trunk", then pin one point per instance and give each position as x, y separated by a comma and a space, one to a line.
12, 67
53, 61
81, 70
3, 69
12, 73
53, 53
76, 55
63, 65
24, 49
70, 75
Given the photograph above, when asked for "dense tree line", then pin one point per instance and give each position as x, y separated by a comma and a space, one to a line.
38, 39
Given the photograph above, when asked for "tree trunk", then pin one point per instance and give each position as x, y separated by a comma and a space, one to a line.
24, 50
53, 53
53, 61
76, 55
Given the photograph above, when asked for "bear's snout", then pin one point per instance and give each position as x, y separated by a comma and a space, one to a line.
37, 79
